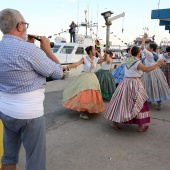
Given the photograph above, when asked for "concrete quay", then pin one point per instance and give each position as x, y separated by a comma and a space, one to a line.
76, 144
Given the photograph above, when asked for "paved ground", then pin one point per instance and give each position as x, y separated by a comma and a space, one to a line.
76, 144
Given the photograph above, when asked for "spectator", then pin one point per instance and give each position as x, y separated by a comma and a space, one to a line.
23, 71
72, 31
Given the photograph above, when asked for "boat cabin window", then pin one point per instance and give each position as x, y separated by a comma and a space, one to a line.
67, 49
56, 48
137, 43
80, 50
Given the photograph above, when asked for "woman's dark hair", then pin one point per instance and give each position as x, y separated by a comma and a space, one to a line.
168, 49
153, 46
135, 50
127, 50
88, 49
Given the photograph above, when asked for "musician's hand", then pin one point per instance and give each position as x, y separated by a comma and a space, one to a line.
30, 40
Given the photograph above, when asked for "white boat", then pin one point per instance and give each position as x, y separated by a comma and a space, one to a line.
69, 53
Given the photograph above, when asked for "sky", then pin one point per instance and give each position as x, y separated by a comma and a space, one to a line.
51, 17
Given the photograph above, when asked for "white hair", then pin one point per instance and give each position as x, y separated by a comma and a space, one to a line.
9, 18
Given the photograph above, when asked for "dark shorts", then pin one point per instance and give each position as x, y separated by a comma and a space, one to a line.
30, 132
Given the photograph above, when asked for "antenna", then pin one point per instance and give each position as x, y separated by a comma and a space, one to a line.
97, 21
77, 17
158, 10
77, 12
91, 16
88, 12
88, 24
158, 4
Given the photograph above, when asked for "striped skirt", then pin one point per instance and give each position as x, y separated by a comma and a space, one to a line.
156, 86
128, 104
119, 73
166, 71
83, 94
107, 83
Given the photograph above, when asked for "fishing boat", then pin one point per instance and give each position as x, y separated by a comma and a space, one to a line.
68, 53
138, 41
164, 44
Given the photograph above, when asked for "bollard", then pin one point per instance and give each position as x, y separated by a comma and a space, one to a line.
1, 141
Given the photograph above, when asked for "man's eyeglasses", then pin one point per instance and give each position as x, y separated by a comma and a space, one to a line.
26, 24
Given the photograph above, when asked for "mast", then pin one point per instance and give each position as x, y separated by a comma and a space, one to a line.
86, 21
97, 22
77, 16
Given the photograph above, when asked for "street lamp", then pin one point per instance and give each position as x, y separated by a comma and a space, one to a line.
108, 20
106, 15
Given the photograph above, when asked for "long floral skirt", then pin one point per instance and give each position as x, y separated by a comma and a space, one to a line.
166, 71
156, 85
129, 103
83, 94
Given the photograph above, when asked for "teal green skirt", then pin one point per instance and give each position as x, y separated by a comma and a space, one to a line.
107, 83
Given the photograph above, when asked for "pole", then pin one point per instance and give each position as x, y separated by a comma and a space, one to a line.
108, 34
86, 30
86, 21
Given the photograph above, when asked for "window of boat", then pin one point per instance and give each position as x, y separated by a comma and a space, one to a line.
56, 48
67, 49
80, 50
